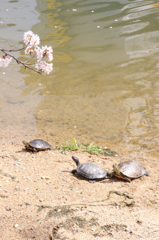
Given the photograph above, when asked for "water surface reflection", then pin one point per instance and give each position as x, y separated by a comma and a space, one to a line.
104, 91
104, 88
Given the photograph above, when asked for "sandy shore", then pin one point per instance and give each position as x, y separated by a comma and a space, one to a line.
40, 198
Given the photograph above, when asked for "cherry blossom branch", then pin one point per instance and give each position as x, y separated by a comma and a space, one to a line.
20, 62
23, 63
31, 41
29, 60
12, 50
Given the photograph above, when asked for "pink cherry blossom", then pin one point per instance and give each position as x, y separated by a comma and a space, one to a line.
44, 52
31, 39
44, 66
47, 52
39, 53
29, 50
4, 62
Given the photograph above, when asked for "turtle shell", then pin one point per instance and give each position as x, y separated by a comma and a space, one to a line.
91, 171
37, 144
132, 169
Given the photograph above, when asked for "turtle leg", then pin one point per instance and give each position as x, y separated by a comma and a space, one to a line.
127, 179
108, 175
34, 149
74, 171
92, 180
146, 173
111, 175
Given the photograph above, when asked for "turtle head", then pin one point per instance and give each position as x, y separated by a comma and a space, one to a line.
25, 143
76, 160
116, 169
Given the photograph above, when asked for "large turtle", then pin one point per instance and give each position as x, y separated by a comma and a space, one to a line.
37, 145
128, 170
89, 170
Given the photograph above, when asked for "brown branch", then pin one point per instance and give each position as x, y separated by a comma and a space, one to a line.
1, 49
20, 62
32, 57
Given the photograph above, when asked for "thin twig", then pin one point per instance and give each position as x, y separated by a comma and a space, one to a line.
33, 56
20, 62
1, 49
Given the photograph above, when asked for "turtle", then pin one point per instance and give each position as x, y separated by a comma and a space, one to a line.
128, 170
37, 145
89, 170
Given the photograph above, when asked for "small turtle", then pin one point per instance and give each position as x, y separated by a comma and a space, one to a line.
37, 145
128, 170
89, 170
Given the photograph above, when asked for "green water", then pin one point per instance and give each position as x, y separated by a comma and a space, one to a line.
104, 86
